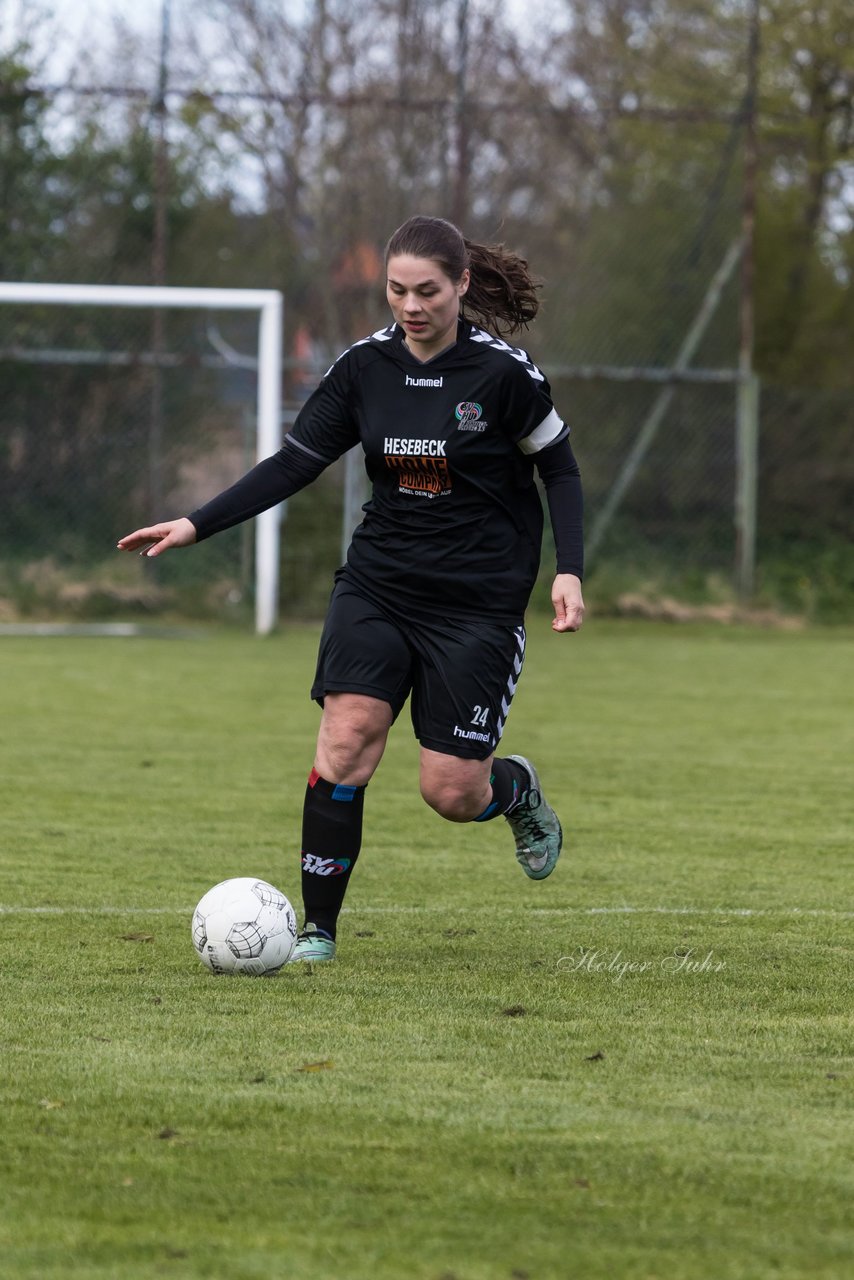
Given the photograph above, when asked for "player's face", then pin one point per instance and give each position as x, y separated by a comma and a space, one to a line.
425, 302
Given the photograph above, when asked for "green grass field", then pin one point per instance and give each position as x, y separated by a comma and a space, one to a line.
641, 1067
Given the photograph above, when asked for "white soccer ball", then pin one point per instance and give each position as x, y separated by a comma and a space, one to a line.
244, 926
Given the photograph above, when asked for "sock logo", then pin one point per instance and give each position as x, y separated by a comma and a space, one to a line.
324, 866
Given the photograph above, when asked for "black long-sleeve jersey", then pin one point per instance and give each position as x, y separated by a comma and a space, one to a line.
454, 523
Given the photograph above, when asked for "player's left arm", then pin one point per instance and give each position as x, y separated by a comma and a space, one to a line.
544, 437
561, 479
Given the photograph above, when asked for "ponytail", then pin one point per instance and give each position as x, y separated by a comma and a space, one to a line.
502, 292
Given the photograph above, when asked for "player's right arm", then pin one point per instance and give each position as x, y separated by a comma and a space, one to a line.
324, 429
271, 482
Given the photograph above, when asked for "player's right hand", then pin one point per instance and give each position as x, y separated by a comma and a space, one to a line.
158, 538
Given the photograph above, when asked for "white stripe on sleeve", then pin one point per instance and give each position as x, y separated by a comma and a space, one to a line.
545, 434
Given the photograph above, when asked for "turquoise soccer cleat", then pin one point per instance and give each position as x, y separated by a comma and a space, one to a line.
536, 828
313, 945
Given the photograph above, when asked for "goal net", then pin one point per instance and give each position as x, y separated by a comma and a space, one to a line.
123, 406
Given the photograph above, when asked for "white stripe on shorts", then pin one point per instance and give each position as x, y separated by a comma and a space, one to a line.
519, 633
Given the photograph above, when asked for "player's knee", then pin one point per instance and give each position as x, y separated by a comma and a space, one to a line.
350, 756
457, 803
350, 750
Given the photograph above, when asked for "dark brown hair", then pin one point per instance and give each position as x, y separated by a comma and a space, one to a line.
502, 293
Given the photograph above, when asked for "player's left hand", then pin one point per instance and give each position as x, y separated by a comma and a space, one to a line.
567, 601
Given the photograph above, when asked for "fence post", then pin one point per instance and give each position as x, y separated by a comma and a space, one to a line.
746, 484
747, 396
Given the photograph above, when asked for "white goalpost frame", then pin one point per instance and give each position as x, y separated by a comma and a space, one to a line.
268, 303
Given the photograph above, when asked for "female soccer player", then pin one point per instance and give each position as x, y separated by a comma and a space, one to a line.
431, 601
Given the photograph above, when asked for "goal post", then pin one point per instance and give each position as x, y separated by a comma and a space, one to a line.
268, 304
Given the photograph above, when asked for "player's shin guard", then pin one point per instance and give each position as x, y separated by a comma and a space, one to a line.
331, 839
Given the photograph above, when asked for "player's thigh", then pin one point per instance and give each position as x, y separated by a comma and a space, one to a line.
362, 680
362, 651
464, 680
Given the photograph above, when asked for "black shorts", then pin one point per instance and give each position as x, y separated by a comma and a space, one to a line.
461, 675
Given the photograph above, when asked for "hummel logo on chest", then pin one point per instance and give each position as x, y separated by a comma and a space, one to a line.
422, 382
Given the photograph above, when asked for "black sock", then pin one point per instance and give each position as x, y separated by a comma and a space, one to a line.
509, 783
331, 839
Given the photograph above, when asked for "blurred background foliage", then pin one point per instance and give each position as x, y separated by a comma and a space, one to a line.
271, 144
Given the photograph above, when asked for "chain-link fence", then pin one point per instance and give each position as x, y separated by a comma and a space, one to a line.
806, 501
100, 434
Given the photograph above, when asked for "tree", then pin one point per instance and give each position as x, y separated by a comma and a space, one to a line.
806, 315
31, 197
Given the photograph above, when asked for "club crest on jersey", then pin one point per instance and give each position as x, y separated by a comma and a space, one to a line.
468, 416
